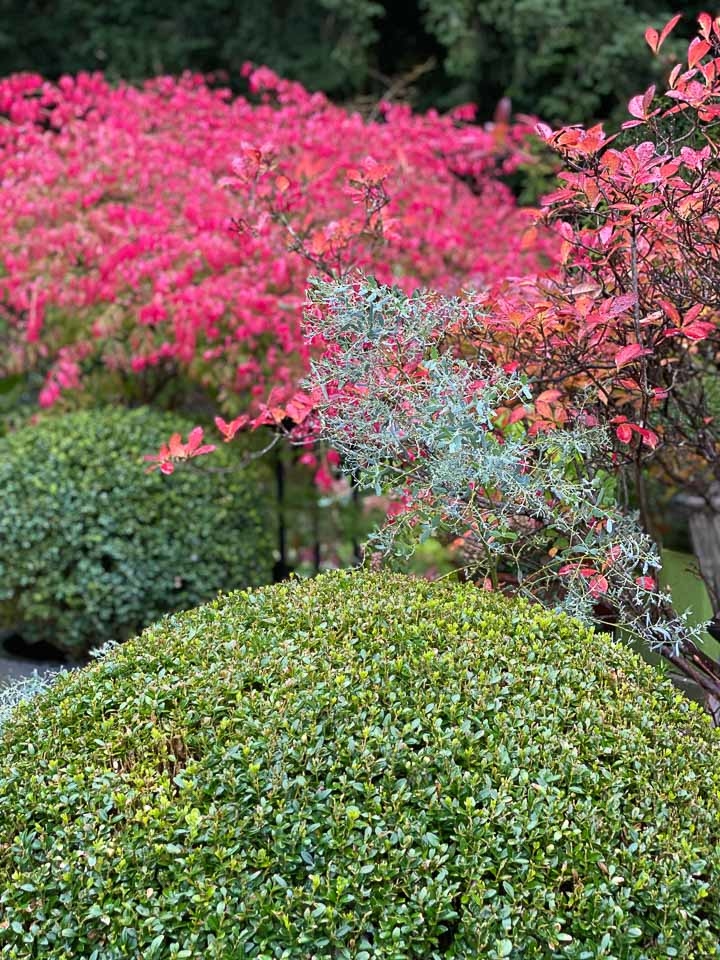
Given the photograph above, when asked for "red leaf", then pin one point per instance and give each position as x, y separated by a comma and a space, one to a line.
670, 312
640, 105
652, 38
698, 330
674, 74
624, 433
647, 583
323, 479
519, 413
629, 353
598, 585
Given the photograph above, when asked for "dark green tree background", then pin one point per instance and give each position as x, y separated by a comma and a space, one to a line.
567, 60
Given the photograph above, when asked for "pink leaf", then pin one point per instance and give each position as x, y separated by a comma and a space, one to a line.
640, 105
636, 107
519, 413
194, 440
629, 353
548, 396
176, 448
652, 38
624, 433
648, 437
543, 131
667, 29
705, 21
620, 304
228, 430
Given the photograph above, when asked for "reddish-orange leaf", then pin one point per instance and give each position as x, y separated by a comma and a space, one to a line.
705, 21
299, 407
548, 396
176, 448
598, 585
667, 29
696, 51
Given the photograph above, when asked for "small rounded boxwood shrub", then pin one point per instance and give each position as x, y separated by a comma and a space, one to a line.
361, 766
93, 548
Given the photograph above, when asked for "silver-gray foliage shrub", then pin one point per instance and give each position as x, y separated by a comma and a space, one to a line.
418, 420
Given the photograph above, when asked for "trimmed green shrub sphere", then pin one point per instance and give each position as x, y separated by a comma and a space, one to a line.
361, 766
93, 548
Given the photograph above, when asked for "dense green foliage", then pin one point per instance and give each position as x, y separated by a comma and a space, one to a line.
568, 61
94, 548
361, 766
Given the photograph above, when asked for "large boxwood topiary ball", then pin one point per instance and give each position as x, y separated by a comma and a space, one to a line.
93, 548
361, 766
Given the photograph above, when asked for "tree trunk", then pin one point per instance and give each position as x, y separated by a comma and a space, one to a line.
704, 524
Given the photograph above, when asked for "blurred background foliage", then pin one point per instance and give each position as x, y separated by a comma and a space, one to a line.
565, 60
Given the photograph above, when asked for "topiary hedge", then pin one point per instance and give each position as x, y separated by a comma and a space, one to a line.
361, 766
93, 548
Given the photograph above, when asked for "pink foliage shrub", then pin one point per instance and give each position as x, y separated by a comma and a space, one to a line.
159, 227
